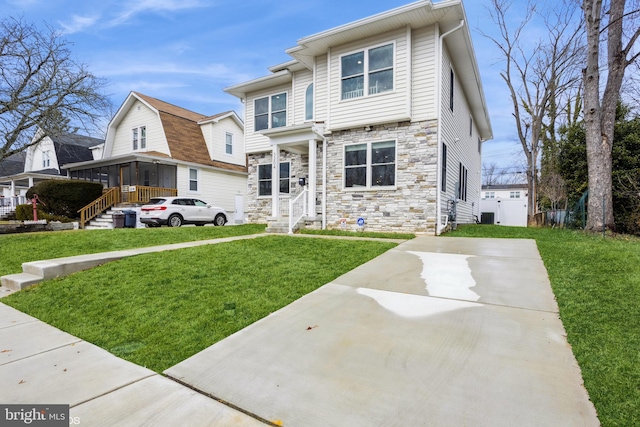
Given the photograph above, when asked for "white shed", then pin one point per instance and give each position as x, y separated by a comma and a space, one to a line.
504, 205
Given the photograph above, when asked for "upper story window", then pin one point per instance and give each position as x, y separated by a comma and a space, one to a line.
46, 159
367, 72
270, 112
308, 103
143, 137
228, 143
139, 138
369, 165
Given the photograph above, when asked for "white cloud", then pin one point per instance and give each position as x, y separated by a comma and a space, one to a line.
130, 8
78, 24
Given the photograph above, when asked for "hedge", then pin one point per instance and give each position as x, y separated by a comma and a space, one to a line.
65, 197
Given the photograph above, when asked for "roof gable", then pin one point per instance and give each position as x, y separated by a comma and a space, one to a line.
181, 128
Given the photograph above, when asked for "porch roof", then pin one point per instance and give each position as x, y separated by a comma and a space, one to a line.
153, 157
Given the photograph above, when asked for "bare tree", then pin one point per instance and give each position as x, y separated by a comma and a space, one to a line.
622, 31
537, 73
43, 87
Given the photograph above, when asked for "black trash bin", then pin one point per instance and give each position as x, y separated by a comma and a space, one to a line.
129, 218
118, 220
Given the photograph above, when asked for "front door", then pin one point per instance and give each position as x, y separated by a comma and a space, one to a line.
238, 215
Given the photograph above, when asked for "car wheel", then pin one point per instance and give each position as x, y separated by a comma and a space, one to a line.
219, 220
174, 220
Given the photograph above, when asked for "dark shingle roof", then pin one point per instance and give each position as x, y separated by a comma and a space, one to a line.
13, 164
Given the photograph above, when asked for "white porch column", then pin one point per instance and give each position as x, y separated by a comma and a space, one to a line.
313, 147
275, 181
13, 194
30, 181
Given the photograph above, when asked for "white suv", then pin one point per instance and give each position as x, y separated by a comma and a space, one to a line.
176, 211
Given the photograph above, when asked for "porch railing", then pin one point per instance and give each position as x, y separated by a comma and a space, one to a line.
8, 204
142, 194
297, 209
126, 193
109, 198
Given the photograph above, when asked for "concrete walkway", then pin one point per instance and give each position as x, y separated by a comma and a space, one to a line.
436, 332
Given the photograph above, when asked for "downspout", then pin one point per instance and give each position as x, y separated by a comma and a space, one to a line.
324, 183
440, 227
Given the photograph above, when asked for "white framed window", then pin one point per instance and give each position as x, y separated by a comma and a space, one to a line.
134, 138
514, 195
193, 179
46, 159
228, 143
462, 182
270, 112
470, 126
490, 195
443, 177
367, 72
308, 103
370, 165
139, 138
265, 179
143, 137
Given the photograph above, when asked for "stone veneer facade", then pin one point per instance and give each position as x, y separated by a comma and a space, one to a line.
409, 207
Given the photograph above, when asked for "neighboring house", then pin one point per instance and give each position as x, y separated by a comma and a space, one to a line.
504, 204
156, 148
383, 118
42, 161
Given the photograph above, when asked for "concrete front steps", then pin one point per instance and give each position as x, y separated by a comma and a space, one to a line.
104, 221
280, 225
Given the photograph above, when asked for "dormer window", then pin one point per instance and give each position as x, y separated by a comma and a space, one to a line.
367, 72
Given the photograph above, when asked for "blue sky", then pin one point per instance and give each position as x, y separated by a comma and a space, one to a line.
186, 51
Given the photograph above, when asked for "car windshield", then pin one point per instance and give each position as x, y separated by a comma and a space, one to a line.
156, 201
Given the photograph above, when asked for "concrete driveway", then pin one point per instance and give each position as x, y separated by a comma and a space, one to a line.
436, 332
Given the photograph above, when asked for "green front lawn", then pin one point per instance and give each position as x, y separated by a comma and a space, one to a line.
158, 309
19, 248
596, 281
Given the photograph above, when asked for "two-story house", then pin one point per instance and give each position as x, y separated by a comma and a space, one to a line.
155, 148
384, 119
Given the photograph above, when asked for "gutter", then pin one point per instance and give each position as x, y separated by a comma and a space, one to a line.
440, 227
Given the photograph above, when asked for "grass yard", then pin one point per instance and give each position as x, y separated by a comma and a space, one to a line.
18, 248
344, 233
158, 309
596, 281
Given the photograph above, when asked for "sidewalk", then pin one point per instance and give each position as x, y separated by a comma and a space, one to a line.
438, 331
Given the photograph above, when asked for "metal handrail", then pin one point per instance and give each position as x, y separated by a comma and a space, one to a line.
297, 209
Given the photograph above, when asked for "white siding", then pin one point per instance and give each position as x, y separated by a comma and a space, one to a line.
35, 156
424, 74
254, 142
301, 80
368, 110
215, 137
461, 147
214, 187
321, 89
139, 115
